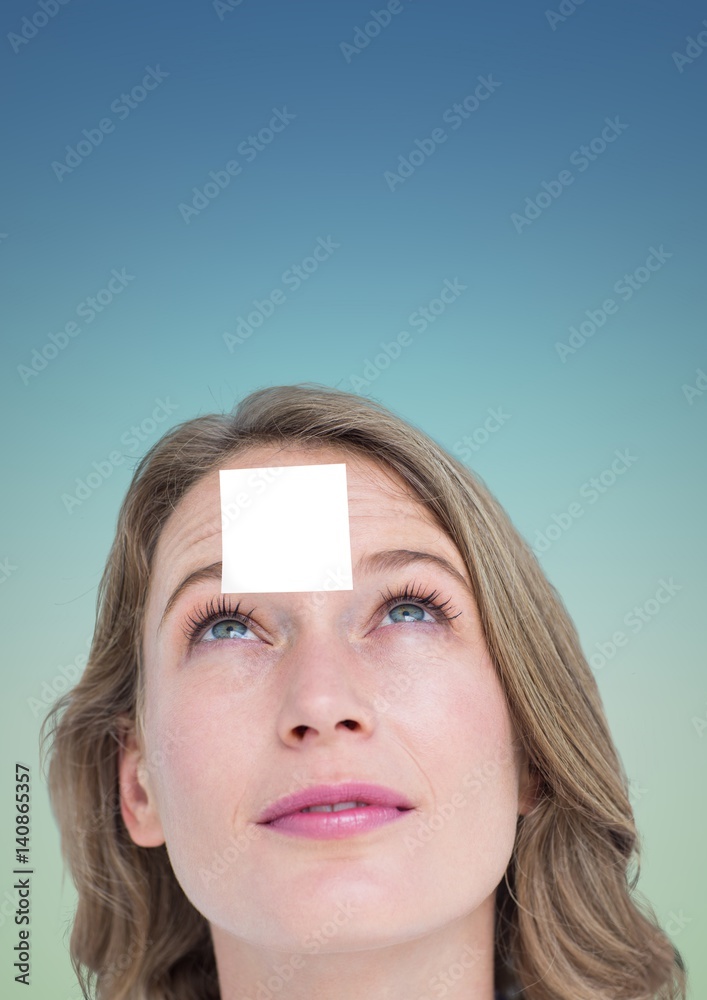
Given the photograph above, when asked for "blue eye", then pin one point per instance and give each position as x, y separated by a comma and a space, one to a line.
410, 613
229, 628
412, 603
217, 621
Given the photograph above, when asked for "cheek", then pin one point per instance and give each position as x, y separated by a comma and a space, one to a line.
199, 740
462, 733
484, 763
467, 837
452, 699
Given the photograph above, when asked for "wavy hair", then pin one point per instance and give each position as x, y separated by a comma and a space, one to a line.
570, 924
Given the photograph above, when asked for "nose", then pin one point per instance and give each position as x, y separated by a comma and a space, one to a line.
301, 731
326, 693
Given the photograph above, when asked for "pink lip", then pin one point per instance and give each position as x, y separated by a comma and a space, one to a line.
384, 805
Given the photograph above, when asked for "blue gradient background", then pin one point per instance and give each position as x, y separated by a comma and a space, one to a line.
493, 347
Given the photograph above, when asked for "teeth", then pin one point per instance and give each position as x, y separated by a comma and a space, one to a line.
335, 808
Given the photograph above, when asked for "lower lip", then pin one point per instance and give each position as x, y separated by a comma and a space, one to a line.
336, 825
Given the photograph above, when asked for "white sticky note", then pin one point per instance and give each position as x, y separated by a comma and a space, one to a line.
285, 529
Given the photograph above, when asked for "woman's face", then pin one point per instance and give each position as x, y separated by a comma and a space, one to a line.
321, 688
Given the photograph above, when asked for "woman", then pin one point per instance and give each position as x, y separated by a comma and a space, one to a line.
483, 842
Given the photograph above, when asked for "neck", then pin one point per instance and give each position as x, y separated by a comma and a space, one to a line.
454, 962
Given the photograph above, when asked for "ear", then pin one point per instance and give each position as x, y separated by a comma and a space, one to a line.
137, 801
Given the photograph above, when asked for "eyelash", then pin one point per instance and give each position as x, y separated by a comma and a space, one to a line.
201, 618
218, 610
417, 596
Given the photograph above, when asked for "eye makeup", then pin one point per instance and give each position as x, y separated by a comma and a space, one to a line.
203, 617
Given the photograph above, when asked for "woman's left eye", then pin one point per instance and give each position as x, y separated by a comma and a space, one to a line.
409, 613
218, 621
228, 628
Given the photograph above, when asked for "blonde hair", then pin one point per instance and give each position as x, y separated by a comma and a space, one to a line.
569, 923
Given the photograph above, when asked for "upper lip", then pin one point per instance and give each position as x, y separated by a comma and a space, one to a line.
322, 795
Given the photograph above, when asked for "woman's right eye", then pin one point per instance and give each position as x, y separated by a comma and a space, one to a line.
228, 628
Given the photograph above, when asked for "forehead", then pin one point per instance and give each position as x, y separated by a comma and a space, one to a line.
380, 503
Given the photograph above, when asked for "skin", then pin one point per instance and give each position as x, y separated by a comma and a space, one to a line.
404, 911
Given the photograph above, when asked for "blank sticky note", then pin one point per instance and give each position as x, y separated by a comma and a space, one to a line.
285, 529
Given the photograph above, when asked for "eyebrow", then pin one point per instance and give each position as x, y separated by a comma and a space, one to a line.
388, 559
